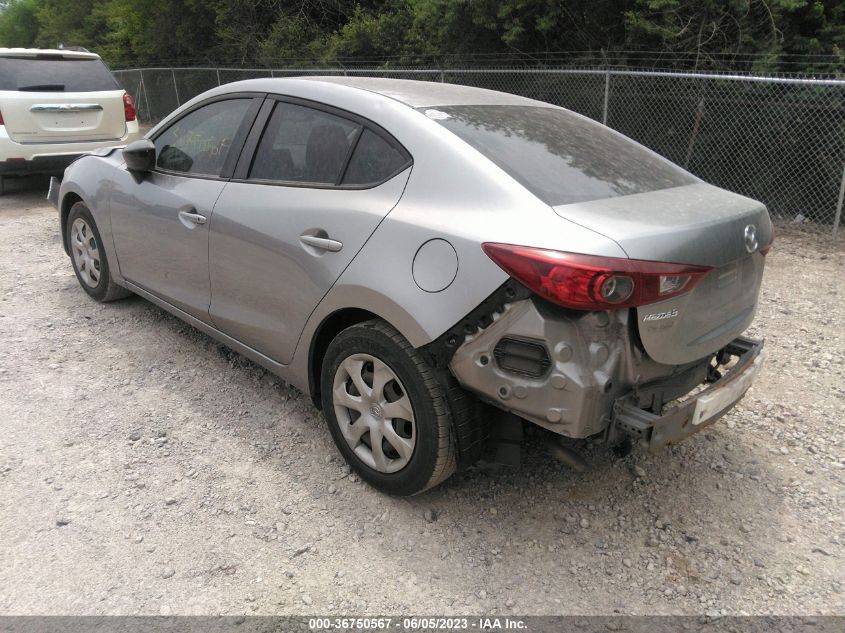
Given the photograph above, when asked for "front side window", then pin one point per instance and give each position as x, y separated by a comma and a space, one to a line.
199, 142
301, 144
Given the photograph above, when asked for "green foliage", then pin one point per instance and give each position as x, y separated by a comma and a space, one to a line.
764, 35
19, 23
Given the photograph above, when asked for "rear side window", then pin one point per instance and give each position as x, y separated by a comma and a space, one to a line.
374, 160
199, 142
55, 74
302, 144
559, 156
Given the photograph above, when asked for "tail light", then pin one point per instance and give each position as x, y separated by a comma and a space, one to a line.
129, 107
589, 282
1, 119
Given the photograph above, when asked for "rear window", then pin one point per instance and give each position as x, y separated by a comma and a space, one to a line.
559, 156
55, 74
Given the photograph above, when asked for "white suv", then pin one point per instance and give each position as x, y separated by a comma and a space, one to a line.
56, 105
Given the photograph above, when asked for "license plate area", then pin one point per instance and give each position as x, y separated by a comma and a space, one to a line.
694, 413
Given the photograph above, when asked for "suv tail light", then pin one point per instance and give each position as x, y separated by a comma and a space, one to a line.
589, 282
1, 118
129, 107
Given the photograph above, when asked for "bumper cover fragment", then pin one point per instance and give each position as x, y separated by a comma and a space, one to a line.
679, 421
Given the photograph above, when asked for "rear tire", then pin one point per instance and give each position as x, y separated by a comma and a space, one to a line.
388, 414
88, 256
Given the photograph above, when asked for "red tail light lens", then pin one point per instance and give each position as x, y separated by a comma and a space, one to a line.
589, 282
1, 119
129, 107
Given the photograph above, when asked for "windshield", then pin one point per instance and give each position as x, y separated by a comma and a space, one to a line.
557, 155
55, 74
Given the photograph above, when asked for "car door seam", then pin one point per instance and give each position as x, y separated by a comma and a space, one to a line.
352, 259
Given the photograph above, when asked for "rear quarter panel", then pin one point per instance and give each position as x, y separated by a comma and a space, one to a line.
455, 194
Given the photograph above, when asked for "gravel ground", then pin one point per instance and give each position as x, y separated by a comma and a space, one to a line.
146, 469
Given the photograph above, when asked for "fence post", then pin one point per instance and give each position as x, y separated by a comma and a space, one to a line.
838, 216
146, 98
175, 87
606, 96
217, 70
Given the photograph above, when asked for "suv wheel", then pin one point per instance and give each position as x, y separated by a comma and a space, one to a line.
387, 412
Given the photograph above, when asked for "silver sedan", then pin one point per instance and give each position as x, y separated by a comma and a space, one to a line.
432, 262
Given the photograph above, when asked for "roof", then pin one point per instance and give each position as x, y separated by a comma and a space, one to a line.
54, 52
418, 94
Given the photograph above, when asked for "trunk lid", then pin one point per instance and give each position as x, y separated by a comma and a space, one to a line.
694, 224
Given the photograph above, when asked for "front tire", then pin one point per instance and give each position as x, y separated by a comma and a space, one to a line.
88, 256
387, 412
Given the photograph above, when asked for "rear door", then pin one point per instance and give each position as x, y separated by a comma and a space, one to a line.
160, 221
312, 185
56, 98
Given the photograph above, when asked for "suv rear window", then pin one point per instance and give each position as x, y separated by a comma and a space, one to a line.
559, 156
55, 74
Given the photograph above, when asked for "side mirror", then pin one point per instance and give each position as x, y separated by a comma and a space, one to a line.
140, 155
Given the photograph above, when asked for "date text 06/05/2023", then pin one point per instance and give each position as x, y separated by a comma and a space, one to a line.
418, 624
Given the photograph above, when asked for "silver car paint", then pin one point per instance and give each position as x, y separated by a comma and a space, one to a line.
454, 193
265, 281
157, 248
696, 224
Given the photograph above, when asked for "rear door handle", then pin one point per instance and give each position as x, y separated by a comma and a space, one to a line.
323, 243
192, 217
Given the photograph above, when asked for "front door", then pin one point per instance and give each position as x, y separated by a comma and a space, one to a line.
160, 220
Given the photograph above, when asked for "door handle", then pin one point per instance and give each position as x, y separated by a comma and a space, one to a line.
192, 216
323, 243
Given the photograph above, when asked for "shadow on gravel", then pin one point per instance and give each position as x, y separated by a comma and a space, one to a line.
20, 188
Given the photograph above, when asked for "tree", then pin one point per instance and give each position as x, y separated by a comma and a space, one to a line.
765, 35
18, 23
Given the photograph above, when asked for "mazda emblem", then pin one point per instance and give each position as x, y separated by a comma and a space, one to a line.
750, 237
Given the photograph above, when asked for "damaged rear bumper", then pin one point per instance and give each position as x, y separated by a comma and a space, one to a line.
694, 413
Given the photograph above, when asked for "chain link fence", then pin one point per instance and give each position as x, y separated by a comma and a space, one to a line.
776, 139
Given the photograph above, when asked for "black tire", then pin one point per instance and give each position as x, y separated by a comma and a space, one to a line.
434, 455
105, 289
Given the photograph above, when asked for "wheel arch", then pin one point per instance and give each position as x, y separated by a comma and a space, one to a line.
69, 199
325, 333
